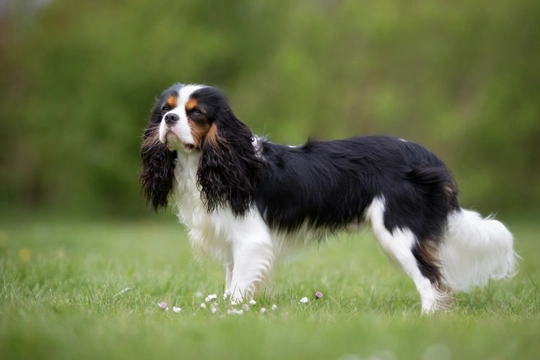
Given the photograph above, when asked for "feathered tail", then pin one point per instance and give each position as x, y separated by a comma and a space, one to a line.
474, 250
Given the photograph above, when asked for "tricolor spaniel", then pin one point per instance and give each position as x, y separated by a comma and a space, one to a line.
246, 199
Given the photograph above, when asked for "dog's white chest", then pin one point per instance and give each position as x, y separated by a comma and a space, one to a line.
206, 230
190, 207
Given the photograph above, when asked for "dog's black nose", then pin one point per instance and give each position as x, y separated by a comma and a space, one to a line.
171, 118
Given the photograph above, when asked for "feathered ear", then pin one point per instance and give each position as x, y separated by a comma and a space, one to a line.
228, 167
158, 168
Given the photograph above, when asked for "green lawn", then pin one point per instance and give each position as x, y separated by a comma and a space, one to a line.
61, 298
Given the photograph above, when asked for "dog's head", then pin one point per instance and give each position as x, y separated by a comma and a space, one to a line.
197, 120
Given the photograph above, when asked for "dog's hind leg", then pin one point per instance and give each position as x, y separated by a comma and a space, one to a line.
427, 255
399, 245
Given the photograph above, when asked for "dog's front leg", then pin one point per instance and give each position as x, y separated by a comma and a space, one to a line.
253, 256
228, 264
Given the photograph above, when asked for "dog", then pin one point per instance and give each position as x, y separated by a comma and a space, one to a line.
247, 200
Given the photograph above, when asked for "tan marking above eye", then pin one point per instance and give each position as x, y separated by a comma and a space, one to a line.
191, 104
172, 101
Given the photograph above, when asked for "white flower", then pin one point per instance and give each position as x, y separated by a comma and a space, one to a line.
274, 307
252, 302
263, 310
245, 307
213, 310
176, 309
304, 300
210, 298
203, 306
235, 312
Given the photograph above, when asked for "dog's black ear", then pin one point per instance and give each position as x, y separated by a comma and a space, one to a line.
158, 164
229, 165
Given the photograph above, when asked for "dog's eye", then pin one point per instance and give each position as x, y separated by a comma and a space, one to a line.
195, 111
165, 108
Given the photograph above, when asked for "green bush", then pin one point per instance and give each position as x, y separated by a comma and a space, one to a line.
79, 79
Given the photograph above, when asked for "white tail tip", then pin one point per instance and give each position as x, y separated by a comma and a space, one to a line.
475, 250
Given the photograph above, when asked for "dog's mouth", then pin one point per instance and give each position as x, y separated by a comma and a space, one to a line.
173, 143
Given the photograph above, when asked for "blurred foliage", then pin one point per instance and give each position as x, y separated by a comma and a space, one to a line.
78, 80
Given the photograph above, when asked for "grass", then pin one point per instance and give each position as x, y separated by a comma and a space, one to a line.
61, 298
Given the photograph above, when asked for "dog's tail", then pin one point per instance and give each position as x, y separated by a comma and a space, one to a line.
475, 250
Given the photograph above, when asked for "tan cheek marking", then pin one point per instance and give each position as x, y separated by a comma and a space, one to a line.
172, 101
151, 140
191, 104
213, 139
212, 135
199, 132
449, 192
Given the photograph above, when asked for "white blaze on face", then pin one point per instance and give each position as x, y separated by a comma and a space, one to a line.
180, 130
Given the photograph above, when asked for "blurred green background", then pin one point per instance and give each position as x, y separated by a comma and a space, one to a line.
78, 80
